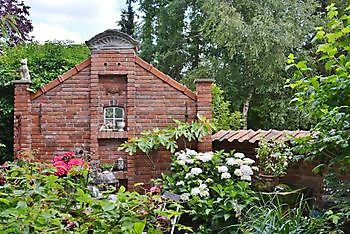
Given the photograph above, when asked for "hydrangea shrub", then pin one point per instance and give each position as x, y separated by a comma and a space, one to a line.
214, 186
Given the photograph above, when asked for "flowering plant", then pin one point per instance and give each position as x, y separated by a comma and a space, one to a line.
216, 186
67, 163
273, 157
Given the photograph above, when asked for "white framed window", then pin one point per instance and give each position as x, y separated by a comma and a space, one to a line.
112, 116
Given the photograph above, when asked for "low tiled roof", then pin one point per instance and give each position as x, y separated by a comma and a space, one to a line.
252, 136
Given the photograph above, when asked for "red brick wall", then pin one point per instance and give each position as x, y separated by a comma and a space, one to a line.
61, 118
68, 113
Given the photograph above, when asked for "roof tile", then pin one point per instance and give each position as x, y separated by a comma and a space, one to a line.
253, 136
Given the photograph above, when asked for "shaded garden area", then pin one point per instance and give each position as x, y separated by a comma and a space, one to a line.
290, 76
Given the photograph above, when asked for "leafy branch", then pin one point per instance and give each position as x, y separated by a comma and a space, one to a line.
168, 137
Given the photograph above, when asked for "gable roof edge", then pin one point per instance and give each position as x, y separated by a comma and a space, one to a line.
167, 79
60, 79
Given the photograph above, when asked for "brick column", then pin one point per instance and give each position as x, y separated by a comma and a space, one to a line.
204, 100
22, 116
131, 118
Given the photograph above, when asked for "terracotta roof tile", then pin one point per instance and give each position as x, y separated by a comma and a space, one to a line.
166, 78
253, 136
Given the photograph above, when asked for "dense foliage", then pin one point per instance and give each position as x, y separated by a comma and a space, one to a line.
34, 200
215, 187
323, 90
127, 22
14, 23
46, 62
240, 44
223, 117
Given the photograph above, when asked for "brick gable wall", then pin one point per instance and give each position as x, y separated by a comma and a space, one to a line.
68, 112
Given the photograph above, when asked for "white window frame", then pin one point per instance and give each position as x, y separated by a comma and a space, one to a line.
114, 118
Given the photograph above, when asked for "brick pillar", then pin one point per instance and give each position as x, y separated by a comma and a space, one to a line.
204, 100
22, 116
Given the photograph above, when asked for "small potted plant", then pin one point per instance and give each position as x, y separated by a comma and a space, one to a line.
273, 160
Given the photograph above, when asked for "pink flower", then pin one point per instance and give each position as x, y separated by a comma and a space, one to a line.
61, 168
69, 154
154, 189
57, 159
76, 162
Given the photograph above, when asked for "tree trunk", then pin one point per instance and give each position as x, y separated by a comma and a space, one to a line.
246, 108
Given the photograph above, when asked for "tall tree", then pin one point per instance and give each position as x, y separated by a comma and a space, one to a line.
171, 35
14, 20
254, 38
127, 22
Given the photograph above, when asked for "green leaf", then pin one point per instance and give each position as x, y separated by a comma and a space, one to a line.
107, 205
139, 227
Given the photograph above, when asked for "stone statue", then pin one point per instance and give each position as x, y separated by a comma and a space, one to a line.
24, 71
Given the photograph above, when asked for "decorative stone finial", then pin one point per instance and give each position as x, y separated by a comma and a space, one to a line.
24, 71
112, 39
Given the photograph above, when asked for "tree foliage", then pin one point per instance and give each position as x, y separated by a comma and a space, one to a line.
14, 23
323, 90
223, 118
240, 44
253, 38
127, 22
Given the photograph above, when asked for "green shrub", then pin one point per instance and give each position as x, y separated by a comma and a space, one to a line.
34, 200
215, 186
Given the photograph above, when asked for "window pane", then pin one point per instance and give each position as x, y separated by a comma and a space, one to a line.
109, 123
119, 113
109, 113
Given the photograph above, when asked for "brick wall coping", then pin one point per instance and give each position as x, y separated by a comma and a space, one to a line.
21, 82
77, 68
167, 79
204, 81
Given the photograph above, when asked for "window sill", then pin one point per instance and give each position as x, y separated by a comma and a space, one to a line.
112, 135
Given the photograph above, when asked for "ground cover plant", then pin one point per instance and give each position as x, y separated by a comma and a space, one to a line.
41, 198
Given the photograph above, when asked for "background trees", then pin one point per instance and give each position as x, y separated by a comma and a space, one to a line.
15, 25
241, 44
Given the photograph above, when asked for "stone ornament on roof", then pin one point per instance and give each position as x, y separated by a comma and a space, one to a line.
112, 39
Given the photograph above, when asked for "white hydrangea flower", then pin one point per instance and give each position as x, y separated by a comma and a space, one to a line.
180, 162
195, 191
239, 155
185, 196
196, 171
238, 172
246, 170
202, 191
225, 175
209, 180
246, 177
205, 157
248, 161
191, 152
222, 169
179, 183
255, 168
230, 161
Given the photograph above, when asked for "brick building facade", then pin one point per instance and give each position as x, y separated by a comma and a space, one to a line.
103, 101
